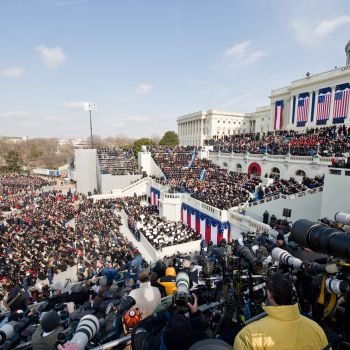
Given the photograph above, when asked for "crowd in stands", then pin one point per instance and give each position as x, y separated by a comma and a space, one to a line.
287, 187
48, 231
13, 183
325, 141
218, 187
117, 161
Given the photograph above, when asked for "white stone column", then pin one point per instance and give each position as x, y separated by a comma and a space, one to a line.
330, 119
201, 132
313, 124
309, 111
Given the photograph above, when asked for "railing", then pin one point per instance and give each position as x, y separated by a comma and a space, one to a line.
158, 186
325, 160
217, 213
148, 247
172, 195
302, 158
283, 196
136, 183
248, 222
275, 156
279, 157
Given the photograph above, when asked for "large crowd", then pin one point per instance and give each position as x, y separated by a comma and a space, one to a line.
43, 233
217, 186
116, 161
326, 141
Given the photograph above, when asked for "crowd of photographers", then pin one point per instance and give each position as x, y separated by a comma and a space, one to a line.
326, 141
189, 302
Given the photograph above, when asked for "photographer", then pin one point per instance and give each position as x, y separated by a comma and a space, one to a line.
147, 298
46, 334
170, 330
283, 327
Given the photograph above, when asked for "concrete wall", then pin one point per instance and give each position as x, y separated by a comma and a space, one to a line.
86, 170
336, 194
170, 206
112, 182
243, 223
308, 206
147, 164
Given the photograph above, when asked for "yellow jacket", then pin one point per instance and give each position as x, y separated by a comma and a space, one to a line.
283, 328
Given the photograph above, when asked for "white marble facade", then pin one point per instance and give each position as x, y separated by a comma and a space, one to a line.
196, 127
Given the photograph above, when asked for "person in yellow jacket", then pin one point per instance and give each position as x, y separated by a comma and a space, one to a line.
169, 281
284, 327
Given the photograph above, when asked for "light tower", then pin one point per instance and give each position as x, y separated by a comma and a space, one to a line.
90, 107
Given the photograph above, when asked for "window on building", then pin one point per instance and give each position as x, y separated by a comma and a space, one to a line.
262, 119
300, 173
275, 172
223, 121
238, 168
224, 164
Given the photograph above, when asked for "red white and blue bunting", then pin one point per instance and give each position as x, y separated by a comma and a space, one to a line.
204, 225
155, 195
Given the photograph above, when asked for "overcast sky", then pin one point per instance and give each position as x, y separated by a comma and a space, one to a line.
146, 62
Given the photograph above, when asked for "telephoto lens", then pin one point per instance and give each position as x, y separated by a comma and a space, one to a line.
322, 239
285, 258
182, 283
6, 331
338, 287
342, 218
244, 253
86, 330
182, 295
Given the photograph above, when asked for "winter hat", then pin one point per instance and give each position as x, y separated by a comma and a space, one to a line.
177, 333
50, 321
280, 237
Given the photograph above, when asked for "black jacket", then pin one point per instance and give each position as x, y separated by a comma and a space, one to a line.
147, 335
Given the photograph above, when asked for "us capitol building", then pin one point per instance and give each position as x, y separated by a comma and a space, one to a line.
297, 106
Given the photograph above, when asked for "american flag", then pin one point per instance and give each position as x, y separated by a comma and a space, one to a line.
341, 103
323, 106
303, 109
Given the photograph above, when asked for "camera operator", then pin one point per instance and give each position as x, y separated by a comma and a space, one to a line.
170, 330
283, 327
46, 334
